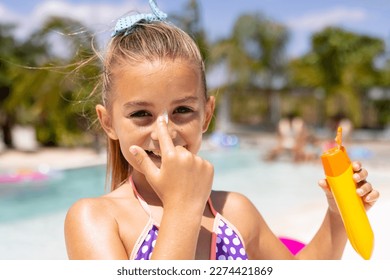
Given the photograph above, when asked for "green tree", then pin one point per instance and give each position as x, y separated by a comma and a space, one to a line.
46, 90
13, 54
254, 56
7, 45
342, 63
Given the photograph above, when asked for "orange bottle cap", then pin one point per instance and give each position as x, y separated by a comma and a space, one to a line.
335, 161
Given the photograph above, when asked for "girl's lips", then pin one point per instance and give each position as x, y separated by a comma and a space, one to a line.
156, 153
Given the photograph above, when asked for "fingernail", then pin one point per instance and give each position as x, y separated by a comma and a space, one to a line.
360, 191
356, 177
368, 198
356, 166
133, 151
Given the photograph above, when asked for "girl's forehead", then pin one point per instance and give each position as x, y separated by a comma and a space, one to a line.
158, 78
166, 71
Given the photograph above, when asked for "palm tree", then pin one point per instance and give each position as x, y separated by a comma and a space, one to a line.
253, 56
191, 22
72, 81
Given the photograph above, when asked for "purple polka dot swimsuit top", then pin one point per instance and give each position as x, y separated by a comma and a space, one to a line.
226, 241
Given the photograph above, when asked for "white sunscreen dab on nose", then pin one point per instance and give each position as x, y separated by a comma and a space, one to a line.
165, 116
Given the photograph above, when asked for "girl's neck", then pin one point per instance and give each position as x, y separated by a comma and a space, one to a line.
144, 189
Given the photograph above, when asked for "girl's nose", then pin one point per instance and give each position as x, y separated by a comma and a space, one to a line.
171, 130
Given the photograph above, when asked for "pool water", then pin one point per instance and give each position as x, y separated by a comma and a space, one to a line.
273, 187
58, 193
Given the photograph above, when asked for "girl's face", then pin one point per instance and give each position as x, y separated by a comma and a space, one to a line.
143, 92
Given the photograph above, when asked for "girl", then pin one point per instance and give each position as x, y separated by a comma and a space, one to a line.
155, 109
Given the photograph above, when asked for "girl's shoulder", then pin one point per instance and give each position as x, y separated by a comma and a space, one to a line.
98, 209
89, 211
97, 220
232, 203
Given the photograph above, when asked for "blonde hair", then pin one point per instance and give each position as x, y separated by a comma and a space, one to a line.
146, 42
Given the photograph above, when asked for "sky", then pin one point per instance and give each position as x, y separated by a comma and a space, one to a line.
301, 17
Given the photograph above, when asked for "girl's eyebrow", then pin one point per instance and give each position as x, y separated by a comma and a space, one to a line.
186, 99
140, 103
137, 104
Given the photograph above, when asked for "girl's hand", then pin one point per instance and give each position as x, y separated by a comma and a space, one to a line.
183, 179
364, 189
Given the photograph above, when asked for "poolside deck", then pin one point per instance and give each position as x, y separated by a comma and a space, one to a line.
55, 158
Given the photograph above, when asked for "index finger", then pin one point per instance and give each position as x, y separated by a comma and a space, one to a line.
165, 141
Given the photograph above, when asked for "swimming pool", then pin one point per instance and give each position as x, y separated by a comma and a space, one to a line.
235, 170
32, 199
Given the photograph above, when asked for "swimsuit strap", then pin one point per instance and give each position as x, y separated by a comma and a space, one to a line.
210, 203
232, 239
142, 201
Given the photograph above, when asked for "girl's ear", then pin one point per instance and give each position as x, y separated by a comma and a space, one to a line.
105, 121
210, 106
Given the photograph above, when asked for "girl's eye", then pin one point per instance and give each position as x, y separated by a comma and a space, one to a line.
182, 110
140, 114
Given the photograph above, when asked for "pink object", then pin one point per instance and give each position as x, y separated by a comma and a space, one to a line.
18, 178
293, 245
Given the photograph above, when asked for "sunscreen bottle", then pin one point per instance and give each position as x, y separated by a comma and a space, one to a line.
338, 172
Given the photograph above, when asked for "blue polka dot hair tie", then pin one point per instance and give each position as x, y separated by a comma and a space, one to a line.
125, 24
